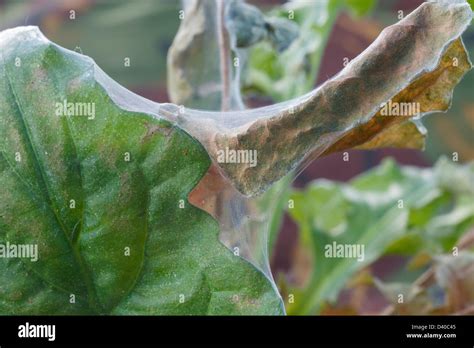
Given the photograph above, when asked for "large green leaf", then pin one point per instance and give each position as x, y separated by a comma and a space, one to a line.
116, 232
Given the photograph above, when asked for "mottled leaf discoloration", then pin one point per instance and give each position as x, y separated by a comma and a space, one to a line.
124, 246
420, 60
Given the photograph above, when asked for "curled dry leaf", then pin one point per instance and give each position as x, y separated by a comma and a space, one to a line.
455, 274
410, 70
195, 42
196, 36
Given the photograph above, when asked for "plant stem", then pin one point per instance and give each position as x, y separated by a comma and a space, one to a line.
224, 54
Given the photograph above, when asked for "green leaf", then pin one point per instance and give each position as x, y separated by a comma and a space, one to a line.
291, 73
360, 7
110, 231
389, 209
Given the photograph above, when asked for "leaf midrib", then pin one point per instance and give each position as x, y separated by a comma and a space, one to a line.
93, 300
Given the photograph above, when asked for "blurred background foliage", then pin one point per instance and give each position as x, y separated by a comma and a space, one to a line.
415, 214
409, 250
108, 31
